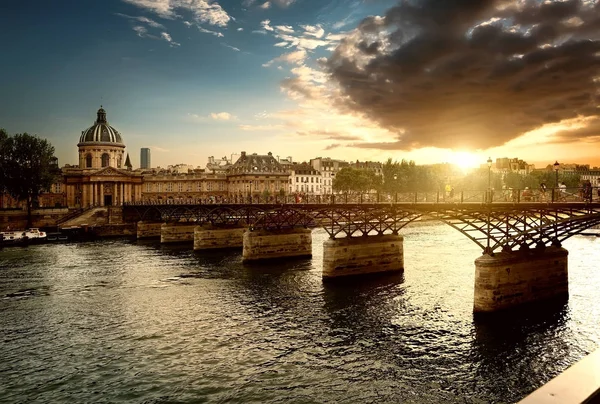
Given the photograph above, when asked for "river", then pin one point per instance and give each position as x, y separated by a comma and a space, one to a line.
130, 322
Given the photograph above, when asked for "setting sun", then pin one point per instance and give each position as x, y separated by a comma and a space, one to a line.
466, 160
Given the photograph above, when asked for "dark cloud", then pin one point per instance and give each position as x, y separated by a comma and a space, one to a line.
589, 133
471, 73
329, 135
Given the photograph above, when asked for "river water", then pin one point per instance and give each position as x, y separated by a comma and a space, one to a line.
124, 321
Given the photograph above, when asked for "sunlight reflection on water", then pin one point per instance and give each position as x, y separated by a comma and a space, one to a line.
126, 321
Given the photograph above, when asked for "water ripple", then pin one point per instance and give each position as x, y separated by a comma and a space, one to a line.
120, 321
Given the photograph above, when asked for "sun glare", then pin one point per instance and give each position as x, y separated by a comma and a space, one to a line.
466, 161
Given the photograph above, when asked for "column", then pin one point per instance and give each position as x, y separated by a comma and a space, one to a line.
147, 230
509, 279
90, 194
101, 185
363, 255
208, 237
269, 244
177, 232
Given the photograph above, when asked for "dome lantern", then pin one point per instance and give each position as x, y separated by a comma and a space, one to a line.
101, 132
101, 116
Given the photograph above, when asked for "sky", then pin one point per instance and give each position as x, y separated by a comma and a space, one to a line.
426, 80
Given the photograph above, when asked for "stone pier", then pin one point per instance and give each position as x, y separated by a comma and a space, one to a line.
509, 279
148, 230
267, 244
177, 232
363, 255
208, 238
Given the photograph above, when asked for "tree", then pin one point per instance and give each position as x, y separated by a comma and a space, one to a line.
356, 180
29, 168
3, 157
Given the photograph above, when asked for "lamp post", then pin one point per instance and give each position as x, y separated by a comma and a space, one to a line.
489, 191
489, 164
556, 167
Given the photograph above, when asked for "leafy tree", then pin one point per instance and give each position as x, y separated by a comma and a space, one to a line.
3, 156
29, 168
351, 180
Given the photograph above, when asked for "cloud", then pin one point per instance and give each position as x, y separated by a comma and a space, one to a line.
167, 37
240, 29
141, 31
472, 74
313, 30
284, 3
295, 57
262, 128
208, 31
266, 25
329, 135
222, 116
265, 5
143, 20
285, 29
159, 149
204, 11
230, 47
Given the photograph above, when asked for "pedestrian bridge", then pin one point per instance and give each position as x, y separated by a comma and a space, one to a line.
520, 238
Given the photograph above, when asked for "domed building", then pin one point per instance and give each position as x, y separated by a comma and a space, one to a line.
101, 145
104, 177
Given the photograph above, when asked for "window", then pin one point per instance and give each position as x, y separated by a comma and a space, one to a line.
180, 186
209, 186
221, 186
105, 160
159, 186
312, 179
199, 186
148, 187
297, 179
88, 161
169, 187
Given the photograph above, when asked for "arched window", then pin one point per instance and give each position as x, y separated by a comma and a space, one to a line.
88, 161
105, 160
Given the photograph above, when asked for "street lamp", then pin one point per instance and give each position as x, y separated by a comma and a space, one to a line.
489, 163
556, 167
489, 191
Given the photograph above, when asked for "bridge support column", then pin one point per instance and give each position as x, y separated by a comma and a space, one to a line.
509, 279
208, 237
268, 244
362, 255
177, 232
148, 229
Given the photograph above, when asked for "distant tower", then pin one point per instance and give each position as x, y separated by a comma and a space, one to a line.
145, 158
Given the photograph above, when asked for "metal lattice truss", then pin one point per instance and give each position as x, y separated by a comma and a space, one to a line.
497, 226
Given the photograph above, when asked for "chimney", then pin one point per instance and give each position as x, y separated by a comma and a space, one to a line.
243, 154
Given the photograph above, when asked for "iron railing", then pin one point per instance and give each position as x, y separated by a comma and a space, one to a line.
552, 195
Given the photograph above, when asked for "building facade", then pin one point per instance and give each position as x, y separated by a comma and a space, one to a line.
195, 186
100, 179
328, 168
256, 175
304, 179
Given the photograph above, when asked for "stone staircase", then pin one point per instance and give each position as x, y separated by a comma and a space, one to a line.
98, 216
